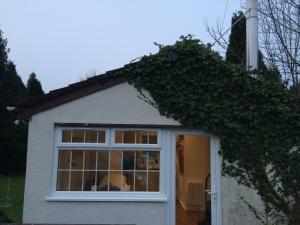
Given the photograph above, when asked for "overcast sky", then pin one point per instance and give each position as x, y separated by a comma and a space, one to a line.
63, 40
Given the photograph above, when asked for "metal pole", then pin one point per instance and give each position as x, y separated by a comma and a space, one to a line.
252, 35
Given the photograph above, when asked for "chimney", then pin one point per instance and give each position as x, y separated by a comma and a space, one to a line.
252, 35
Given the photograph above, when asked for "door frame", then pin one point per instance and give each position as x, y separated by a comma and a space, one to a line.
215, 170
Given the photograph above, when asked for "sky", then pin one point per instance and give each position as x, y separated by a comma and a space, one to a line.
63, 41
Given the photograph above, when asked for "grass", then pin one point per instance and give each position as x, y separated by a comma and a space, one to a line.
16, 194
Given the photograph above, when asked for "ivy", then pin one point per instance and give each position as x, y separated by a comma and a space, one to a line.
257, 120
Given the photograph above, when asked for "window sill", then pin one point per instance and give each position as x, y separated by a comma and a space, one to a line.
104, 199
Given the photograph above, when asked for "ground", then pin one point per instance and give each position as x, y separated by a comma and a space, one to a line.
187, 218
16, 194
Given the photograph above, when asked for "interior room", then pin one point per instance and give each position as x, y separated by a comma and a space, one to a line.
192, 178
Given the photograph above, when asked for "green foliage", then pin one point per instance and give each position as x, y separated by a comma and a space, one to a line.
4, 218
34, 86
16, 195
295, 89
236, 51
12, 138
257, 120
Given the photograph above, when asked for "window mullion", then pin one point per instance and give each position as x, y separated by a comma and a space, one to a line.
108, 172
70, 167
134, 171
71, 135
121, 187
96, 170
147, 166
82, 176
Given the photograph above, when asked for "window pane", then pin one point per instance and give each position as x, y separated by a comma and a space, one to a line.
129, 137
153, 181
116, 181
142, 137
122, 170
62, 181
115, 160
76, 181
153, 137
141, 160
128, 160
118, 137
103, 160
136, 137
90, 136
128, 185
102, 181
101, 136
90, 160
141, 181
89, 181
153, 160
77, 159
64, 159
78, 136
66, 136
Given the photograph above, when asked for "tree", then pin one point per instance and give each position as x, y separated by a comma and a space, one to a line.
236, 47
34, 86
279, 22
4, 218
236, 50
13, 139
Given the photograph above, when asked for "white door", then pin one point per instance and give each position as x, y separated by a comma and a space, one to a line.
215, 163
216, 176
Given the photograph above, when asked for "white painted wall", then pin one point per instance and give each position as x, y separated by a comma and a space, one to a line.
117, 105
235, 211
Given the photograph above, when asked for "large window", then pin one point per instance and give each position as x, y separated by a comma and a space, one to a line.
108, 160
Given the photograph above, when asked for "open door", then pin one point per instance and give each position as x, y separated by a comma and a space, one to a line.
197, 178
216, 176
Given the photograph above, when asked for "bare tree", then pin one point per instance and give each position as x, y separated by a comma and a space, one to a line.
91, 73
279, 22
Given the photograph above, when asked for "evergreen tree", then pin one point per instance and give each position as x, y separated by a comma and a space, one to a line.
13, 139
34, 86
236, 51
4, 218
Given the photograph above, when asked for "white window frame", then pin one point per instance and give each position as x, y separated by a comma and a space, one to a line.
121, 145
109, 145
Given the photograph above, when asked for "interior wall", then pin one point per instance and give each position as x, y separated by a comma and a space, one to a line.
196, 164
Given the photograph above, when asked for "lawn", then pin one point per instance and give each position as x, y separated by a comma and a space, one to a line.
16, 194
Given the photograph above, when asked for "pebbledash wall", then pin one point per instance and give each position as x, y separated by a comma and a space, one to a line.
119, 104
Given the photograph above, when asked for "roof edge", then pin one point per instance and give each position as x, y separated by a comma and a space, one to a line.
25, 111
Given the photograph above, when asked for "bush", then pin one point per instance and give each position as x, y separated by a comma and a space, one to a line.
4, 218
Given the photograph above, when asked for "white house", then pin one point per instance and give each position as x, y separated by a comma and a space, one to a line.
99, 154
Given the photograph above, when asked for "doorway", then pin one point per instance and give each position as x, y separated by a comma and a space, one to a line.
197, 179
192, 179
